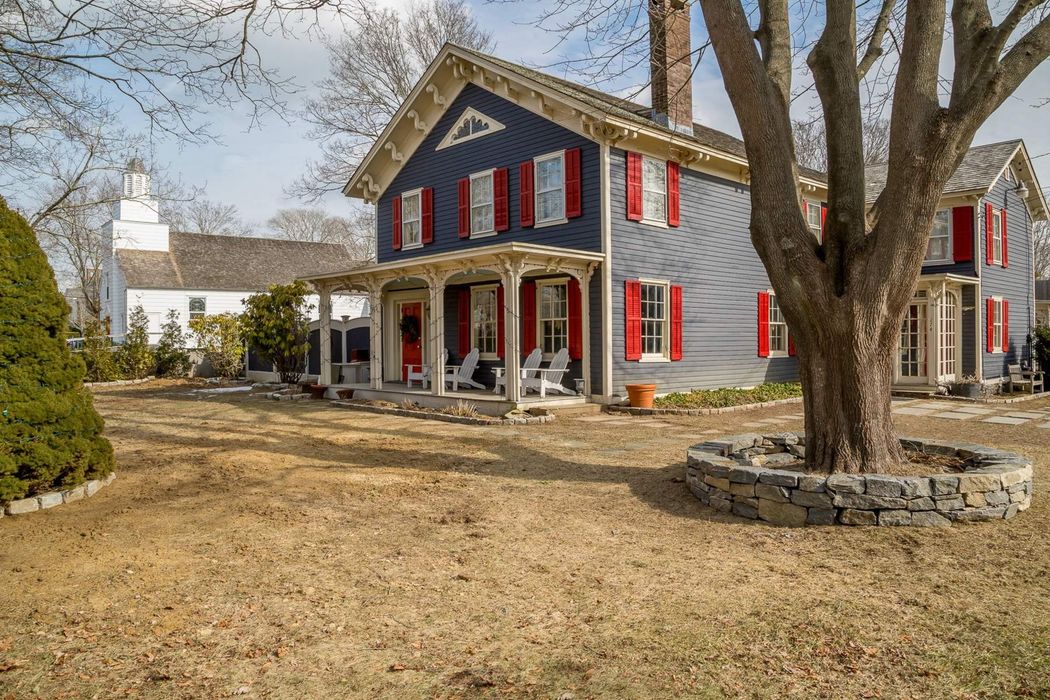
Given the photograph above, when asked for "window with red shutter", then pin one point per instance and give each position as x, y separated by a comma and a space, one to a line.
501, 199
1006, 325
573, 184
634, 186
673, 194
526, 198
633, 320
428, 215
1006, 257
501, 316
528, 317
763, 324
464, 321
962, 234
464, 207
676, 323
989, 233
990, 324
575, 303
395, 204
823, 219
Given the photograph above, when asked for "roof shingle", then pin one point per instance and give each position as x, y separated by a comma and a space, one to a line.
979, 168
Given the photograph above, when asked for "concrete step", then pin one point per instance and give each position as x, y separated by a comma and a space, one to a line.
582, 409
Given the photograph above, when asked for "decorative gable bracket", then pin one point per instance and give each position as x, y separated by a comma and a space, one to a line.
471, 125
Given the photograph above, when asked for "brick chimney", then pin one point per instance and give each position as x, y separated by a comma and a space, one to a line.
671, 64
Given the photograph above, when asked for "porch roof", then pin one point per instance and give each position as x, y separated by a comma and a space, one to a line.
490, 256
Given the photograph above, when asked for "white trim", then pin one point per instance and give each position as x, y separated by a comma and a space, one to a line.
469, 113
997, 327
391, 302
491, 175
665, 354
997, 214
786, 352
418, 193
661, 222
607, 291
538, 222
476, 289
550, 282
950, 259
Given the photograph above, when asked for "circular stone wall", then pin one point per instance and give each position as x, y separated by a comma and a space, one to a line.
744, 475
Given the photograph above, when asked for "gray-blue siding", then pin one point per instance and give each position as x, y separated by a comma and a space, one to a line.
1013, 283
710, 255
525, 136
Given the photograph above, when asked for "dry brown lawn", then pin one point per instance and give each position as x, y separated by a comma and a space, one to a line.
293, 550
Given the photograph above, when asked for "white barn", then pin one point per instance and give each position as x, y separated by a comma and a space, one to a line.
196, 274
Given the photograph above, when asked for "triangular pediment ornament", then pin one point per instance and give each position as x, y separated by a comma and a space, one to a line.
471, 125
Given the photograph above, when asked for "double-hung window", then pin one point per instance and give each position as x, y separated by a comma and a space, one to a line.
939, 249
482, 213
553, 317
410, 220
198, 307
813, 218
778, 330
550, 188
654, 320
484, 324
997, 324
654, 190
997, 236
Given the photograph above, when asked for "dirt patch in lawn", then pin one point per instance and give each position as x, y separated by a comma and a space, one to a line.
255, 548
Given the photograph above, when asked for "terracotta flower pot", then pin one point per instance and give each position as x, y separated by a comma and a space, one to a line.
641, 395
317, 391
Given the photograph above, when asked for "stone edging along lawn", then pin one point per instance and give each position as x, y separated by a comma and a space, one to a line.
738, 474
56, 498
444, 417
119, 382
699, 411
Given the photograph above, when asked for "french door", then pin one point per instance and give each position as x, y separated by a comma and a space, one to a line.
912, 367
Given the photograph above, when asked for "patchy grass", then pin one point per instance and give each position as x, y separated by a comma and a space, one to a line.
265, 549
721, 398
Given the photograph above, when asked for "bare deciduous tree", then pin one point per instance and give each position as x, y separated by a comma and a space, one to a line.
374, 67
811, 144
1041, 240
208, 216
316, 225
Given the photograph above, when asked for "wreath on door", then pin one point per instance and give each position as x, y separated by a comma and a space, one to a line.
409, 328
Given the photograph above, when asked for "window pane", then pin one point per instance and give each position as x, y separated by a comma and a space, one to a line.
481, 190
654, 174
549, 205
410, 208
548, 175
939, 247
554, 317
481, 218
653, 318
410, 232
484, 320
655, 206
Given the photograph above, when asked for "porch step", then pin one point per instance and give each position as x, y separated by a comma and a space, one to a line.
582, 409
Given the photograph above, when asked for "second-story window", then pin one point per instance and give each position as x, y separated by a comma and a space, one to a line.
481, 204
997, 236
939, 249
813, 218
550, 188
654, 190
410, 220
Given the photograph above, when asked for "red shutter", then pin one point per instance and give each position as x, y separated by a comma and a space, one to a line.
395, 204
989, 232
791, 344
673, 196
427, 224
823, 219
633, 319
464, 208
464, 321
1006, 325
763, 324
1006, 257
500, 321
634, 186
526, 199
962, 234
990, 324
501, 199
528, 317
573, 184
676, 323
575, 319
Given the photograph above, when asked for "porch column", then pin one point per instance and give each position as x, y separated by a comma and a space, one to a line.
510, 276
324, 295
437, 335
375, 344
585, 322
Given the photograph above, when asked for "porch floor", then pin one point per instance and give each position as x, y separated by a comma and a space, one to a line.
487, 402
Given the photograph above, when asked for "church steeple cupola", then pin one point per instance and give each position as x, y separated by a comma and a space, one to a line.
136, 179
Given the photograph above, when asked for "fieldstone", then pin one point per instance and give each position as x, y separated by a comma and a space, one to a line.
979, 482
773, 493
1014, 488
753, 502
1016, 476
865, 502
719, 503
1017, 496
781, 459
812, 483
109, 478
702, 496
779, 478
735, 443
948, 503
944, 485
978, 514
811, 499
798, 450
90, 487
781, 513
720, 484
912, 486
744, 475
910, 443
928, 518
1025, 504
878, 485
784, 439
742, 489
921, 503
50, 500
940, 448
1011, 511
845, 483
719, 471
74, 494
975, 499
894, 517
821, 516
857, 517
745, 511
997, 498
21, 506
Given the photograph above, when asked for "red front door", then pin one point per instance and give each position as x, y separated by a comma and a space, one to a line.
411, 348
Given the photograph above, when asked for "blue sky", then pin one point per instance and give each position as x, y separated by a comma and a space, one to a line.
251, 169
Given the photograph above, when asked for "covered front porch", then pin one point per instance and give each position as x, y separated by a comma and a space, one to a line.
475, 315
939, 334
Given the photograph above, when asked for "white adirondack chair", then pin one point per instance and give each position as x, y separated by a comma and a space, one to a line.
464, 373
528, 369
422, 374
550, 378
